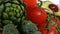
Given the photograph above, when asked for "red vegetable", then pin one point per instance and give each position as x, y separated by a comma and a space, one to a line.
37, 16
43, 31
58, 21
30, 2
53, 7
52, 29
29, 9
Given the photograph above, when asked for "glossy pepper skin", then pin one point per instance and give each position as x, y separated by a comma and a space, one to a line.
37, 16
30, 2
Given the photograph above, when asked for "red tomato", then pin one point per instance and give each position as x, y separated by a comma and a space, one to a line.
52, 29
43, 30
30, 2
29, 9
37, 16
58, 21
54, 19
42, 25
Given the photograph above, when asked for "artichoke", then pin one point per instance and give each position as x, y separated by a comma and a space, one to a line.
11, 12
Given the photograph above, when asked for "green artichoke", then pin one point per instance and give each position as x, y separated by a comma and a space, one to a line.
11, 12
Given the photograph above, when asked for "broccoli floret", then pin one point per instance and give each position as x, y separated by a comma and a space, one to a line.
29, 28
10, 29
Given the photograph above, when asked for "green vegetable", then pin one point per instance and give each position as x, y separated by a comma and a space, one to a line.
10, 29
58, 30
12, 12
27, 27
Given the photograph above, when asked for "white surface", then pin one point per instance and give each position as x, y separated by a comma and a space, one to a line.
57, 2
53, 1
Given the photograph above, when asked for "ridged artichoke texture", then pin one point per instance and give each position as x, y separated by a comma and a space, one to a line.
12, 11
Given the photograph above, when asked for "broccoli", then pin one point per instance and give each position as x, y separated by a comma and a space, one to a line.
27, 27
10, 29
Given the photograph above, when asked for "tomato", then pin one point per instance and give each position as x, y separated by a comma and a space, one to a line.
58, 21
42, 25
29, 9
52, 29
37, 16
54, 19
30, 2
43, 30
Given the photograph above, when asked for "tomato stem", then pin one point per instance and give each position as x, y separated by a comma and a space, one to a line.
54, 14
40, 4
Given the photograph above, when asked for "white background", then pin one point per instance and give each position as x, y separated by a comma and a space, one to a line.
57, 2
53, 1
